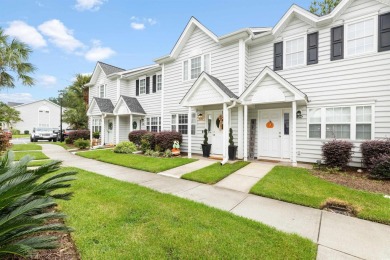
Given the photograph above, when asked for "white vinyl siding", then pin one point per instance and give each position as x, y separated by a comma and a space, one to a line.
360, 37
295, 52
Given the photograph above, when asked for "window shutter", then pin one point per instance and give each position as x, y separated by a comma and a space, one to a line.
278, 56
312, 48
147, 85
137, 87
384, 32
337, 43
154, 83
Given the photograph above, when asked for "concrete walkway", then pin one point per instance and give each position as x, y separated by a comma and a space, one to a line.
181, 170
338, 236
244, 179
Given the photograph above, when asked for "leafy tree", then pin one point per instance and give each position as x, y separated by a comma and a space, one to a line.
74, 101
13, 60
323, 7
27, 198
55, 100
9, 115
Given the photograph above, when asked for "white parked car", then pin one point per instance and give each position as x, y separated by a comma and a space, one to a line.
44, 133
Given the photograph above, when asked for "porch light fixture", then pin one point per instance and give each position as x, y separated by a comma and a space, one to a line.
200, 117
299, 114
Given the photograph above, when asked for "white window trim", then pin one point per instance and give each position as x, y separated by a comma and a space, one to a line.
348, 23
193, 122
201, 66
159, 122
104, 86
158, 74
352, 122
285, 40
142, 78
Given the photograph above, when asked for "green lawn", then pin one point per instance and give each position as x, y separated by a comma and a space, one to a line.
26, 147
119, 220
135, 161
214, 173
62, 144
299, 186
38, 163
34, 154
20, 136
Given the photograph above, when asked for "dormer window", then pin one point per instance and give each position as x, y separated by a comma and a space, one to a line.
193, 67
102, 91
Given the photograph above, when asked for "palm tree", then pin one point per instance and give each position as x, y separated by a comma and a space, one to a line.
25, 199
13, 59
9, 115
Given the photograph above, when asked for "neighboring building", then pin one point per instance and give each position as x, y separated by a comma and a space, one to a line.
42, 113
283, 90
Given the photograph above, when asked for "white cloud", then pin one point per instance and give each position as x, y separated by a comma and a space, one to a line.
137, 26
90, 5
61, 36
152, 21
25, 33
98, 53
17, 97
47, 80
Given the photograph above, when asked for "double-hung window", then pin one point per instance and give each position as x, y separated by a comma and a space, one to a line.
153, 124
96, 125
142, 86
295, 52
102, 91
315, 123
193, 67
180, 123
338, 122
363, 122
361, 37
159, 82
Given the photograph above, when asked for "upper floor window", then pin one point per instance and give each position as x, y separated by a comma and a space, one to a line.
193, 67
360, 37
295, 52
159, 82
102, 91
142, 86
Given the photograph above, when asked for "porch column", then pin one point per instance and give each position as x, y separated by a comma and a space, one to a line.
102, 135
240, 139
294, 134
246, 133
117, 130
189, 132
90, 121
131, 123
225, 130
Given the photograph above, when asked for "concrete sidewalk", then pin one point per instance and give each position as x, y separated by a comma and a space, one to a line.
338, 236
181, 170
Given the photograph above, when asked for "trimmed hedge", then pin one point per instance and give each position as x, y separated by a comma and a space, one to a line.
125, 147
136, 136
165, 139
79, 134
337, 153
374, 149
381, 167
82, 143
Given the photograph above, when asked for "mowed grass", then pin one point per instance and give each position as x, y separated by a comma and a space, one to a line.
120, 220
20, 136
135, 161
38, 163
214, 173
299, 186
62, 144
35, 154
26, 147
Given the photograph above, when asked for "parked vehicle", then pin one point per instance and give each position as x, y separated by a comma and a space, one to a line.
44, 133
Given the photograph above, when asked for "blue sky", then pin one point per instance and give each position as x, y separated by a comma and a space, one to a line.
68, 37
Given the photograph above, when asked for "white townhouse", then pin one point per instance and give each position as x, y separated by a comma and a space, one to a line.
283, 90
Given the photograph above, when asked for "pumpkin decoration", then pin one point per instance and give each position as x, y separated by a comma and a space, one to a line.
176, 148
270, 124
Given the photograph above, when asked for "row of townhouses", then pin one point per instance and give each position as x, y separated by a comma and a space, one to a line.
283, 90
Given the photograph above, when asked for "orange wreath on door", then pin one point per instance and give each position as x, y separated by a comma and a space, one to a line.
270, 124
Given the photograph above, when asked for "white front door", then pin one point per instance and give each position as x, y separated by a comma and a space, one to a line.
215, 133
110, 131
270, 133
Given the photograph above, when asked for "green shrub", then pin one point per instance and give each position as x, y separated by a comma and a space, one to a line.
15, 132
136, 136
155, 154
26, 198
381, 167
26, 132
167, 153
82, 144
125, 147
148, 152
337, 153
145, 145
68, 141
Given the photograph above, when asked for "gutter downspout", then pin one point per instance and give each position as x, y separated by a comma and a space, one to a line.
226, 159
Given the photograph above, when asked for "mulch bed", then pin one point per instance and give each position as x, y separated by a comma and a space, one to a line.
353, 179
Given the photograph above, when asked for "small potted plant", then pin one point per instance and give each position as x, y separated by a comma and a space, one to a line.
206, 147
232, 147
95, 140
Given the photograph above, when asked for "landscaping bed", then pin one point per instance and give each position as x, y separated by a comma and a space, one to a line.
127, 221
136, 161
214, 173
300, 186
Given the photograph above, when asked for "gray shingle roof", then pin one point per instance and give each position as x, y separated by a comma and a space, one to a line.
14, 104
134, 105
105, 105
109, 69
222, 86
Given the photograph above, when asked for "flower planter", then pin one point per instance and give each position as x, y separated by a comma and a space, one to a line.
232, 152
206, 148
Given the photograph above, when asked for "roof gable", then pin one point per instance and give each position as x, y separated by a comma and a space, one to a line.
128, 105
105, 68
104, 105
